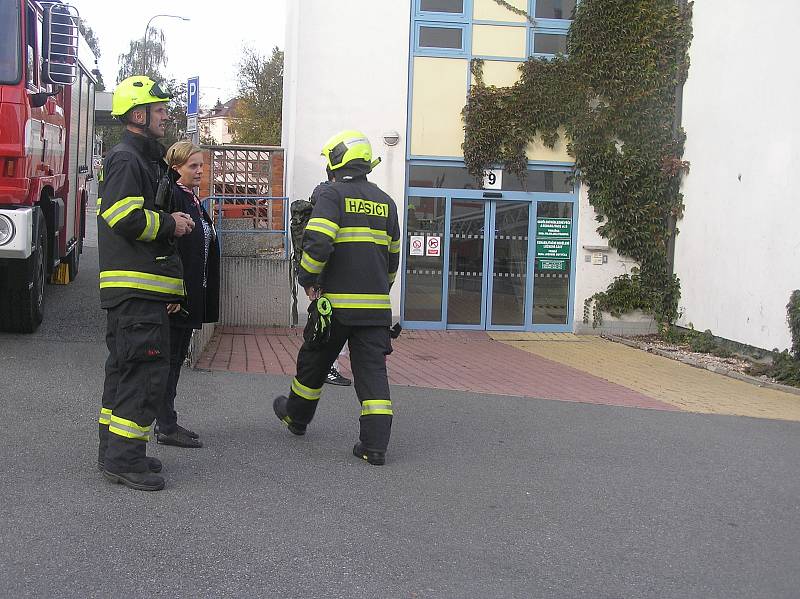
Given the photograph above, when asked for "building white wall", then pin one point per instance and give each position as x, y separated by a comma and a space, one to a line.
346, 67
216, 128
591, 278
738, 251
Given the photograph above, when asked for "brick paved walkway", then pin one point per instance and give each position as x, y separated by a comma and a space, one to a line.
464, 361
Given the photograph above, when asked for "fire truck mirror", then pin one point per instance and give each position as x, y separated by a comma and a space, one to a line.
60, 37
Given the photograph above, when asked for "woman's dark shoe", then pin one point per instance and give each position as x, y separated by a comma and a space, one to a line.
334, 377
178, 439
154, 464
376, 458
141, 481
187, 432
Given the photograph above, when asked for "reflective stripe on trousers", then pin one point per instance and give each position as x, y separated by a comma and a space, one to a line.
305, 392
376, 407
128, 428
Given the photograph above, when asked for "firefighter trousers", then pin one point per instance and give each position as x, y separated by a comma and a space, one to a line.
137, 336
369, 346
179, 340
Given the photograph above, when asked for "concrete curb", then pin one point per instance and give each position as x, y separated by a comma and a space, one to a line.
691, 362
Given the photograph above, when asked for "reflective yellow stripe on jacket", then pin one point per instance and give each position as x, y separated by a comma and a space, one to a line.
152, 226
324, 226
313, 266
128, 428
119, 210
361, 234
141, 280
375, 301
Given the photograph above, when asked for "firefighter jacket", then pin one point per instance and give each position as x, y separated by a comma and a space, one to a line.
351, 249
137, 253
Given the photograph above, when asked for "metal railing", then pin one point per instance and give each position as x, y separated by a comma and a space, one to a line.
269, 215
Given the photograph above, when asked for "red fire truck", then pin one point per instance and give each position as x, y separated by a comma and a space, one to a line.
46, 143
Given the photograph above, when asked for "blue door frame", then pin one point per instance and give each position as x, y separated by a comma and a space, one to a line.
489, 225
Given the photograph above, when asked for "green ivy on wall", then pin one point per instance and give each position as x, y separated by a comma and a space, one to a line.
614, 98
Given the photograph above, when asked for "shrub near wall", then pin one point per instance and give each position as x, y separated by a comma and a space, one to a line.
614, 95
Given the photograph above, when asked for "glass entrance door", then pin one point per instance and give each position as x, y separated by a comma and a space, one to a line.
508, 287
488, 274
489, 263
467, 264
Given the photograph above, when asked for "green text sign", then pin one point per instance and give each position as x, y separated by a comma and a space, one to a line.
553, 227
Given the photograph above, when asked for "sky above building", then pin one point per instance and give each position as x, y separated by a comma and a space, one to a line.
209, 45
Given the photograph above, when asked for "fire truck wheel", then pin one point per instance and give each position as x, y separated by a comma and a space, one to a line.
22, 304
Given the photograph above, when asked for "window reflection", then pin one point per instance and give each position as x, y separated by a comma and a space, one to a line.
440, 37
555, 9
449, 6
549, 43
454, 177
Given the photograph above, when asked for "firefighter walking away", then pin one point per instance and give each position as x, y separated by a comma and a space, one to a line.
351, 252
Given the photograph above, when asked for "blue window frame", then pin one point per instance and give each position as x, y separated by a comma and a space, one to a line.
548, 36
433, 38
546, 43
552, 10
443, 10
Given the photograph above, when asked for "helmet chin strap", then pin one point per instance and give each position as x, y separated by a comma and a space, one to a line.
145, 128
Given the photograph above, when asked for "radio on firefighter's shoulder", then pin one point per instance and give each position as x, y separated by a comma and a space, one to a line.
164, 199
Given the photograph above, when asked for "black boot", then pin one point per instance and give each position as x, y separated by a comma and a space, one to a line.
376, 458
178, 439
279, 405
141, 481
187, 432
154, 464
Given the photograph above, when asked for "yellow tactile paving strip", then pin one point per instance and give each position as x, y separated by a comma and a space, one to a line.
683, 386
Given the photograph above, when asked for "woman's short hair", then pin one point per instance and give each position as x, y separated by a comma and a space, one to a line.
179, 153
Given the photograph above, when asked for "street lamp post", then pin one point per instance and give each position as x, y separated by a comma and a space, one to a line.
147, 28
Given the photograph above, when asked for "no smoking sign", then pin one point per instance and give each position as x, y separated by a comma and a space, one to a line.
433, 246
416, 245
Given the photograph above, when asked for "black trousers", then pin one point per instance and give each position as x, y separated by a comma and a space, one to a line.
369, 346
179, 340
137, 337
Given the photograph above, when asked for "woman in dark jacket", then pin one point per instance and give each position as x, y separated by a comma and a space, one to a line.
199, 253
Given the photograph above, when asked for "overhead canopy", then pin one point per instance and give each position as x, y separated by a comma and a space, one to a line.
102, 109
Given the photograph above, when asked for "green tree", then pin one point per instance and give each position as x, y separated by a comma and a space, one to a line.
144, 57
94, 43
138, 62
258, 112
176, 128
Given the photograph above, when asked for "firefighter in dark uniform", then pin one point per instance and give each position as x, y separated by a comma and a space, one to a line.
140, 272
351, 252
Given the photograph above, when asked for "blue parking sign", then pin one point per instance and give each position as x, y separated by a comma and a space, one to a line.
193, 90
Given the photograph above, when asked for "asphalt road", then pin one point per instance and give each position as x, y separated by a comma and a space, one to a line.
482, 496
